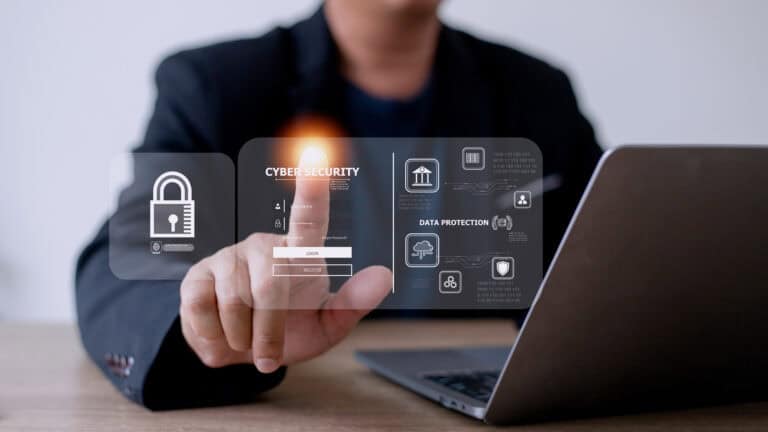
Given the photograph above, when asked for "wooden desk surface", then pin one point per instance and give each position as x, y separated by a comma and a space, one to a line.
47, 383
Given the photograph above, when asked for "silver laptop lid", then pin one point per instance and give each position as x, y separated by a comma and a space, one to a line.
658, 295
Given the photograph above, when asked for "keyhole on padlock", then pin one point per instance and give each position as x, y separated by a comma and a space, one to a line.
172, 218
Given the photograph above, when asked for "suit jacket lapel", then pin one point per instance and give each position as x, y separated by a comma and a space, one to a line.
316, 62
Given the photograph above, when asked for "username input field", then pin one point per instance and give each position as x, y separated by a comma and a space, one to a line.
312, 252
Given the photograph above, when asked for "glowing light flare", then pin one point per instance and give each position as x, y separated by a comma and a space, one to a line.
313, 150
313, 155
322, 133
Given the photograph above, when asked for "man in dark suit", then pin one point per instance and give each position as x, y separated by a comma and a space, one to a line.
377, 68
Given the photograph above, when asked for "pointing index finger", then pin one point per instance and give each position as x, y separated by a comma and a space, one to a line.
311, 202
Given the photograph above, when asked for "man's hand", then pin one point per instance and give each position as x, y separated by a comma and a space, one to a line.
234, 311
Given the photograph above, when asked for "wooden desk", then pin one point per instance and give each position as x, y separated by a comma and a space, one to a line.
47, 383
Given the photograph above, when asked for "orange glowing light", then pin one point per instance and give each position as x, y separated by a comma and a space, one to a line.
313, 156
306, 132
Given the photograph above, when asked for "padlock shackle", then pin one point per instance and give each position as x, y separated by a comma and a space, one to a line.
158, 190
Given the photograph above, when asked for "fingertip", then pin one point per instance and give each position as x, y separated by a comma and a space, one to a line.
313, 156
267, 365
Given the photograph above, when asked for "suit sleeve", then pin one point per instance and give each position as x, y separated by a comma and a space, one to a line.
130, 328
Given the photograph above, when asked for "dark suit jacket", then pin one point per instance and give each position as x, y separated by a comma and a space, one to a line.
215, 98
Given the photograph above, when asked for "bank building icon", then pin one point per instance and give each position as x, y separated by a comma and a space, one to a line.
422, 175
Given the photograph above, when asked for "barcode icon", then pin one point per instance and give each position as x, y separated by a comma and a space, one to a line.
473, 158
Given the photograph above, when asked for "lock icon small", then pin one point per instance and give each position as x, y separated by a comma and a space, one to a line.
172, 218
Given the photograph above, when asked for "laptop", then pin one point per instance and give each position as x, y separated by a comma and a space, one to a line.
657, 298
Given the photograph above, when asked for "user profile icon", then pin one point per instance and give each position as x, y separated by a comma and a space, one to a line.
278, 206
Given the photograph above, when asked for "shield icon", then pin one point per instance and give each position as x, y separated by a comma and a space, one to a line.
502, 267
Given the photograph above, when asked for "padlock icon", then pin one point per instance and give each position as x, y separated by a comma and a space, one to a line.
172, 218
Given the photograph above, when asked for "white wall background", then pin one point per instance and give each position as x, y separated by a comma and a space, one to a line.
75, 91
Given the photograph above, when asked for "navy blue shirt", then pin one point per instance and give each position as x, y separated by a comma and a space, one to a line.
365, 115
369, 116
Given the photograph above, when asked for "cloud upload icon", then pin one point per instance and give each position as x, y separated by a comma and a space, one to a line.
423, 248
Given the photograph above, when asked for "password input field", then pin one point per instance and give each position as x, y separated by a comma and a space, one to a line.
312, 252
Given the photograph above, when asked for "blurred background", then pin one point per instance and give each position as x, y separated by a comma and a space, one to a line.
76, 91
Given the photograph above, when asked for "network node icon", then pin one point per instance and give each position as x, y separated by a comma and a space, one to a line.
450, 282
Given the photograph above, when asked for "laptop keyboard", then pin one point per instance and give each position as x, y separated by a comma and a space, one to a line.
475, 384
